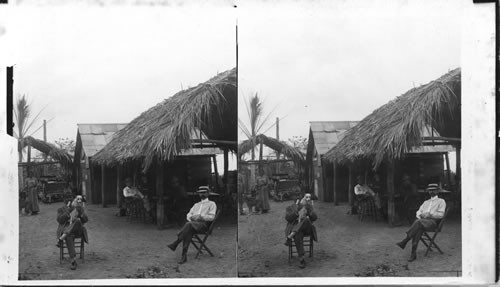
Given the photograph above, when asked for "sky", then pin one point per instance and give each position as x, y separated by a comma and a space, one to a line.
340, 60
308, 60
107, 65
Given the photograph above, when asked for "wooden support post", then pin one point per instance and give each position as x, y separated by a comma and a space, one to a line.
216, 173
261, 151
391, 210
92, 186
103, 181
448, 176
351, 187
118, 187
160, 205
335, 191
29, 161
458, 171
226, 170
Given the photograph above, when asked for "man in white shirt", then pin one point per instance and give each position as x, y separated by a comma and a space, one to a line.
198, 220
428, 215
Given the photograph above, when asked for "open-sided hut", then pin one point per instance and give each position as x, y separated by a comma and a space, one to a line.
324, 135
161, 134
391, 132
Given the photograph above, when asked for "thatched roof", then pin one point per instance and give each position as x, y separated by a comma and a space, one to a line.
49, 149
165, 129
282, 147
396, 127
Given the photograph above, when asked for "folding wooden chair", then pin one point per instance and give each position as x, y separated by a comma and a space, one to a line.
199, 243
429, 241
308, 247
79, 248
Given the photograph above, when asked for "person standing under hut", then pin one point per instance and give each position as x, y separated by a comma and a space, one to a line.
428, 216
262, 184
198, 220
71, 218
32, 206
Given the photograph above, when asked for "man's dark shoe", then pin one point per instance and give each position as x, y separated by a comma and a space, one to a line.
302, 263
59, 243
73, 265
172, 246
413, 257
183, 259
401, 244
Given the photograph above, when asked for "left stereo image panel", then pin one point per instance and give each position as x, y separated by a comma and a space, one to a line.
125, 144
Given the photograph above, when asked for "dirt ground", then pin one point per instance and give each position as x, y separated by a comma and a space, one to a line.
120, 249
346, 247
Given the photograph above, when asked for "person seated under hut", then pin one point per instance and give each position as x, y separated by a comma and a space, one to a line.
132, 193
365, 195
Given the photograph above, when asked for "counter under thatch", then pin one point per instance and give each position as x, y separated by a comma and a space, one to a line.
165, 129
58, 154
282, 147
396, 127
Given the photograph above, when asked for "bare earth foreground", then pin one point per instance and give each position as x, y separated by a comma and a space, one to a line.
347, 247
120, 249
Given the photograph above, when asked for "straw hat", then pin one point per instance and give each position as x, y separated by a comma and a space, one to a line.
432, 186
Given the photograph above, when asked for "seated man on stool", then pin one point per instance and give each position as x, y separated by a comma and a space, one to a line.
71, 218
428, 215
198, 220
300, 218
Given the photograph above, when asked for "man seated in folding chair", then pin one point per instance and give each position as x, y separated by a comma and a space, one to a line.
199, 219
71, 218
428, 216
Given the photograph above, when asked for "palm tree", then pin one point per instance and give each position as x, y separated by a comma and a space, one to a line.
23, 122
255, 112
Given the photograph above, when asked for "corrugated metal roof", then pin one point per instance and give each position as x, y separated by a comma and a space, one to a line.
327, 134
96, 136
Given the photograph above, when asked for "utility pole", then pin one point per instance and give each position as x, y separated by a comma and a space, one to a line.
44, 137
277, 135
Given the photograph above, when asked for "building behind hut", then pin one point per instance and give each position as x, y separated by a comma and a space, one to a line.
324, 135
90, 139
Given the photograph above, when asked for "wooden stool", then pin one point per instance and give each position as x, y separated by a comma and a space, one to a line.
308, 247
79, 248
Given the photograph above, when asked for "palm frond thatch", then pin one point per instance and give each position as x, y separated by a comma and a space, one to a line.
280, 146
396, 127
165, 129
49, 149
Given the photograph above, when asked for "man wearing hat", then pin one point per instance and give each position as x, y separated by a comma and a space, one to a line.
198, 220
428, 215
